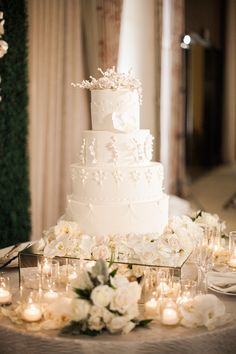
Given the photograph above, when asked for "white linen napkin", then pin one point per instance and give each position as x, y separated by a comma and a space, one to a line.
21, 246
224, 282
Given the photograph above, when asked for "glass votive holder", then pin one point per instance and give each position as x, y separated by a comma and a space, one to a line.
48, 268
164, 282
51, 294
232, 249
169, 315
150, 307
31, 310
5, 291
73, 268
188, 291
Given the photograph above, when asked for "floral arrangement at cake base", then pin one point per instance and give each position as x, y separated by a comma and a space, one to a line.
180, 236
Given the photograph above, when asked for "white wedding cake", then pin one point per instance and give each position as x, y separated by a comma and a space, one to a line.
116, 189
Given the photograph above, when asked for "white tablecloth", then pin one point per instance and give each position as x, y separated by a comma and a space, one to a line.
156, 339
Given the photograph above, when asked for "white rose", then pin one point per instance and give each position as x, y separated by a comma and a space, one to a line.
102, 295
95, 321
137, 271
80, 309
117, 324
125, 296
147, 252
128, 327
107, 315
118, 281
132, 311
102, 252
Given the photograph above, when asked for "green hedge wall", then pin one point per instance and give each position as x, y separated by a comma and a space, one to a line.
15, 224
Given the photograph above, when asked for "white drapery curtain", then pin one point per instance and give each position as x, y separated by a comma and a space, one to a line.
229, 128
58, 112
68, 40
140, 50
172, 99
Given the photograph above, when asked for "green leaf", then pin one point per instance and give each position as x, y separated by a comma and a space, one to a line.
77, 328
83, 293
90, 332
113, 273
143, 323
74, 328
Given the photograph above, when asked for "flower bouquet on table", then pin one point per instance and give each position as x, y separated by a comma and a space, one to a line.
103, 300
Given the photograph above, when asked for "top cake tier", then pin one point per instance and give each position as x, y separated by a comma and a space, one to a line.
115, 110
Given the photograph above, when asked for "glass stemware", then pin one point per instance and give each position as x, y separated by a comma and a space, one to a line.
204, 257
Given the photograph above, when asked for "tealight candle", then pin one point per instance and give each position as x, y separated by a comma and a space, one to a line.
232, 262
169, 314
5, 296
50, 295
46, 268
32, 313
151, 307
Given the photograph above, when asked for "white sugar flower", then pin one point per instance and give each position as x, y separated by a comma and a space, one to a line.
203, 310
80, 309
102, 295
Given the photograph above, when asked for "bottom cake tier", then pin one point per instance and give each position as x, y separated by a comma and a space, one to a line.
148, 217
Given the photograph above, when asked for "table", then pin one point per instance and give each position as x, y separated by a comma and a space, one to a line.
156, 339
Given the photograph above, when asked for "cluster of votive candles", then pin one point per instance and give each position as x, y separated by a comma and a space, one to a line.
232, 249
39, 286
164, 302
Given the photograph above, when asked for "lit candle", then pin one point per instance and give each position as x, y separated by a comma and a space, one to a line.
170, 316
151, 307
5, 296
46, 268
50, 295
232, 262
32, 313
72, 275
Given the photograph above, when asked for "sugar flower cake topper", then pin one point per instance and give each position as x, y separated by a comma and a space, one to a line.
111, 79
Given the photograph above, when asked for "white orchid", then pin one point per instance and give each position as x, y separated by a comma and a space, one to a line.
211, 220
203, 310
